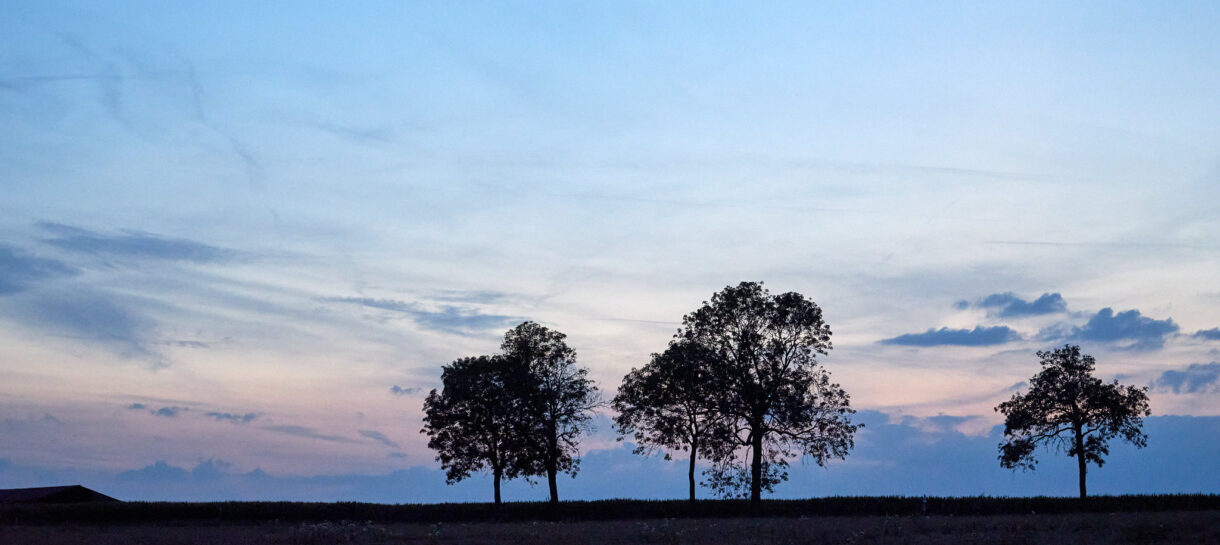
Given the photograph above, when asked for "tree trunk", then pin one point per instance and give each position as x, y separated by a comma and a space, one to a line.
1081, 461
690, 472
550, 479
756, 468
552, 459
496, 476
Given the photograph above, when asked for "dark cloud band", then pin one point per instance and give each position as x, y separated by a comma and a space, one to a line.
979, 336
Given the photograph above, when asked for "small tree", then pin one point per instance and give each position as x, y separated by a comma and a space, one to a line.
556, 401
470, 422
1069, 409
776, 400
670, 404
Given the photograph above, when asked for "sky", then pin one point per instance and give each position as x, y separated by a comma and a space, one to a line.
239, 240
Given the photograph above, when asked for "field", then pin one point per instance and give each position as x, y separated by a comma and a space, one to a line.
996, 521
1134, 528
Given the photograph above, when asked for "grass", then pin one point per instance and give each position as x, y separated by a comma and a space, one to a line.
256, 512
1202, 527
844, 520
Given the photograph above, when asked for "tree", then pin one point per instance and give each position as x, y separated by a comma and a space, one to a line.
556, 401
777, 402
470, 422
669, 404
1069, 409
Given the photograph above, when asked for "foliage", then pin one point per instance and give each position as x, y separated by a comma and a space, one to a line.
777, 402
1068, 409
556, 401
470, 422
519, 413
669, 404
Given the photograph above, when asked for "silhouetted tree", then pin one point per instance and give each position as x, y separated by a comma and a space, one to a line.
776, 400
670, 404
471, 422
556, 402
1067, 408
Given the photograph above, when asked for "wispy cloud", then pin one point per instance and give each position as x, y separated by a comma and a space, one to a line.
47, 423
232, 418
133, 245
960, 400
355, 133
400, 391
463, 320
380, 438
1140, 332
302, 431
476, 296
447, 319
1116, 245
979, 336
188, 344
383, 304
19, 272
1198, 377
89, 315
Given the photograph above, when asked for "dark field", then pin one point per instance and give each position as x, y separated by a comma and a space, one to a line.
994, 521
1162, 527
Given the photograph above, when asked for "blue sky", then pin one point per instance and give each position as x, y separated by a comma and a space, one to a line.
244, 238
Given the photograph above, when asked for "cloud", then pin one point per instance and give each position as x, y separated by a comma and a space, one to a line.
211, 470
380, 438
302, 431
133, 245
979, 336
461, 321
354, 133
88, 315
400, 391
1212, 334
158, 472
170, 412
448, 319
47, 424
383, 304
476, 296
188, 344
1008, 305
1142, 332
233, 418
19, 272
137, 406
892, 456
1198, 377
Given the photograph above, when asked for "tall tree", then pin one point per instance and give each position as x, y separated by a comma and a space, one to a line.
470, 422
1068, 409
669, 404
557, 401
777, 400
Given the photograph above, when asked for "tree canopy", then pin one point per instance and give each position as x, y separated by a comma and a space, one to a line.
470, 422
776, 401
1068, 409
556, 401
670, 404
